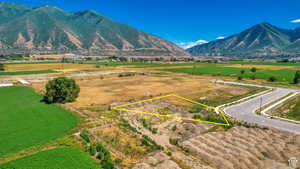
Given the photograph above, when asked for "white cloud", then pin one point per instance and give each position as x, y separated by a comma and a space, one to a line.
295, 21
186, 45
220, 37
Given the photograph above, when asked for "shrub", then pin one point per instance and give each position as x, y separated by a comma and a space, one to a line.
196, 109
253, 77
97, 65
253, 69
242, 71
99, 147
92, 150
147, 126
100, 156
272, 79
118, 161
107, 164
239, 78
174, 128
2, 68
174, 141
104, 157
146, 141
85, 136
127, 74
61, 90
296, 77
265, 154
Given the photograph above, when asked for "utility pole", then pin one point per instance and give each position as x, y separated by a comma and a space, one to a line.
260, 106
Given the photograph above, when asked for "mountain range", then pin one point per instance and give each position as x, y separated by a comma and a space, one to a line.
261, 40
47, 29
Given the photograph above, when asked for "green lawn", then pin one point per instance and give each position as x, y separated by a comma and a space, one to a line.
25, 121
27, 72
58, 158
283, 75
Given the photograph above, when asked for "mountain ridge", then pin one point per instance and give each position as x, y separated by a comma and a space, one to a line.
48, 29
260, 40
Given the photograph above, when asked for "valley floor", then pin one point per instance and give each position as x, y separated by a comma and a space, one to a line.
134, 140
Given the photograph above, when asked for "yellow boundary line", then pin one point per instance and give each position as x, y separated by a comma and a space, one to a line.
170, 116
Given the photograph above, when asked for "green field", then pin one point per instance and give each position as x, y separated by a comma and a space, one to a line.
26, 72
282, 75
264, 63
27, 122
141, 64
58, 158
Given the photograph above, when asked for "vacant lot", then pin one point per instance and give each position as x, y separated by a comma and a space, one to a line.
244, 148
27, 122
97, 91
60, 158
290, 109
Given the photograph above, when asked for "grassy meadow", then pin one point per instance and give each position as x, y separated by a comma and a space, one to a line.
58, 158
28, 122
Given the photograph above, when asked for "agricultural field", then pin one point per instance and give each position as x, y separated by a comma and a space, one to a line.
265, 63
27, 122
63, 157
281, 74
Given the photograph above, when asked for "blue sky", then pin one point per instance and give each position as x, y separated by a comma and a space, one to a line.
187, 20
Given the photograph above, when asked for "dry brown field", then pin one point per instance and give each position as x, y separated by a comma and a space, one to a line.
62, 67
53, 56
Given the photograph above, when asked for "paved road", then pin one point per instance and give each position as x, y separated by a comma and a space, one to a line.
245, 111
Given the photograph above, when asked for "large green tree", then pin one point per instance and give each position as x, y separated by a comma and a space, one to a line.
61, 90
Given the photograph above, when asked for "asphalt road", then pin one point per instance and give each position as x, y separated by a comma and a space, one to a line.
245, 111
